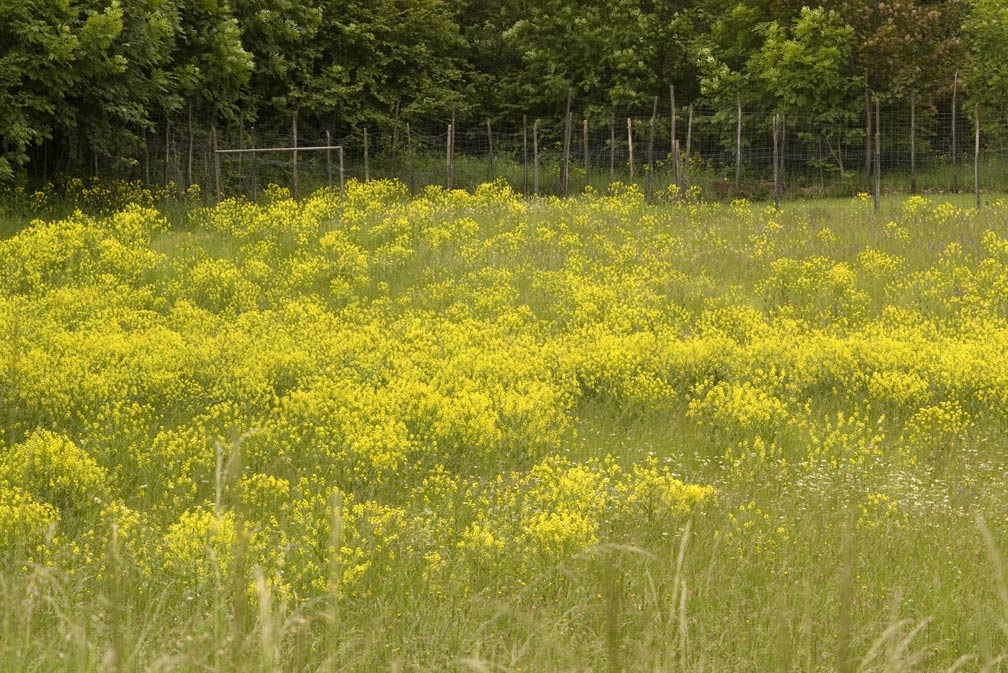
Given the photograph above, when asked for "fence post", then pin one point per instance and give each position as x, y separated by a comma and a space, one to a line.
395, 143
955, 148
167, 149
367, 158
629, 131
146, 156
294, 154
689, 135
189, 164
612, 147
587, 160
409, 152
328, 157
241, 141
525, 171
913, 142
819, 168
782, 132
217, 171
675, 148
776, 171
255, 169
448, 175
878, 158
565, 168
342, 185
672, 120
490, 145
738, 145
868, 139
672, 136
650, 149
976, 157
207, 184
535, 157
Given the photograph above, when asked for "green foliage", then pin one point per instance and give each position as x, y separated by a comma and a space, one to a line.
806, 69
36, 72
985, 30
388, 58
87, 80
209, 64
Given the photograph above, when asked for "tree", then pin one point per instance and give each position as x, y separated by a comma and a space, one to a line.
210, 67
985, 31
387, 57
605, 50
36, 73
283, 39
119, 73
904, 46
808, 70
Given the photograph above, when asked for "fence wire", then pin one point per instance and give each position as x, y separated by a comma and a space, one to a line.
930, 149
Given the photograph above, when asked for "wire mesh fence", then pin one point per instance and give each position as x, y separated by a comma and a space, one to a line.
723, 153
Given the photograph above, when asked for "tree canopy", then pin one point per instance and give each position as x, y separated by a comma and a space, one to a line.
81, 79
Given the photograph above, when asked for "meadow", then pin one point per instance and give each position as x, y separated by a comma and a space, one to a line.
472, 432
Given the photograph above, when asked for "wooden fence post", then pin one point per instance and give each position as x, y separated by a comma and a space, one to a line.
207, 183
525, 169
689, 135
629, 131
776, 171
738, 145
878, 158
395, 142
294, 154
650, 149
675, 148
672, 135
783, 148
913, 142
565, 167
342, 182
535, 157
976, 157
490, 145
328, 157
217, 169
146, 146
955, 149
409, 153
868, 140
819, 168
448, 157
190, 162
612, 147
367, 158
255, 168
167, 149
241, 141
672, 116
587, 155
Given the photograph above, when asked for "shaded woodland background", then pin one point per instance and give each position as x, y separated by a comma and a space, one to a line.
92, 87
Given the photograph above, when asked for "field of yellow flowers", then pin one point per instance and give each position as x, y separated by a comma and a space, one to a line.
467, 431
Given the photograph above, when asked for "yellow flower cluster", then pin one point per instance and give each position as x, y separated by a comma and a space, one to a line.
410, 383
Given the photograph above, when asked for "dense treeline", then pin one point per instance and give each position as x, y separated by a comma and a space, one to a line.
87, 80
